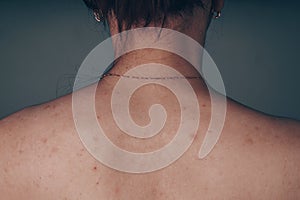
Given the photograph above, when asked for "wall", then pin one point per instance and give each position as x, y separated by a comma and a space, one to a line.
255, 45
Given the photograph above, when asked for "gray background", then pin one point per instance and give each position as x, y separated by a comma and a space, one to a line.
255, 45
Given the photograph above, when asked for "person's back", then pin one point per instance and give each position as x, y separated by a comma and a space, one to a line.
43, 157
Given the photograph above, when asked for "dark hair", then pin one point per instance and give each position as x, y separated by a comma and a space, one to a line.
133, 12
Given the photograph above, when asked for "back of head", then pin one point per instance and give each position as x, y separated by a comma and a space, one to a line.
142, 12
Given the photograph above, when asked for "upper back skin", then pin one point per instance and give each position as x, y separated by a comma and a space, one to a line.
42, 157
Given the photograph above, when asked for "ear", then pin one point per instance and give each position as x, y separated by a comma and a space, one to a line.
218, 5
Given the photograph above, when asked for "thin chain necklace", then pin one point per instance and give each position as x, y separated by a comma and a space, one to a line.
149, 78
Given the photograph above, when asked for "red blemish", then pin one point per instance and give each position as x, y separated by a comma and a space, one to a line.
161, 194
249, 141
46, 107
54, 150
117, 190
203, 105
193, 136
95, 168
44, 140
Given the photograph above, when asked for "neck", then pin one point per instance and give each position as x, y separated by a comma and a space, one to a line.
135, 59
153, 45
151, 58
146, 46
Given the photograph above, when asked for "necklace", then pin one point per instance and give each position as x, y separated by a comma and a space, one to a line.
149, 78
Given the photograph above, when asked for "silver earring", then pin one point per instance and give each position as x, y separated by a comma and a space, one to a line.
98, 16
216, 14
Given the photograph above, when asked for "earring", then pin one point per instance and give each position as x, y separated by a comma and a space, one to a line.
98, 16
216, 14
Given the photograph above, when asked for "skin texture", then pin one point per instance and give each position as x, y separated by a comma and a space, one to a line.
256, 157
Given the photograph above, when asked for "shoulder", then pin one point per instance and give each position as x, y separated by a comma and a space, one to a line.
280, 133
286, 146
30, 143
36, 119
275, 142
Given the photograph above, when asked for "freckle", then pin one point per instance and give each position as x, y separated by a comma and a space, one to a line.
44, 140
95, 168
249, 141
97, 183
98, 117
256, 128
21, 151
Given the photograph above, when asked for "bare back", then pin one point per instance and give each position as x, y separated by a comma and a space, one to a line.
42, 157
